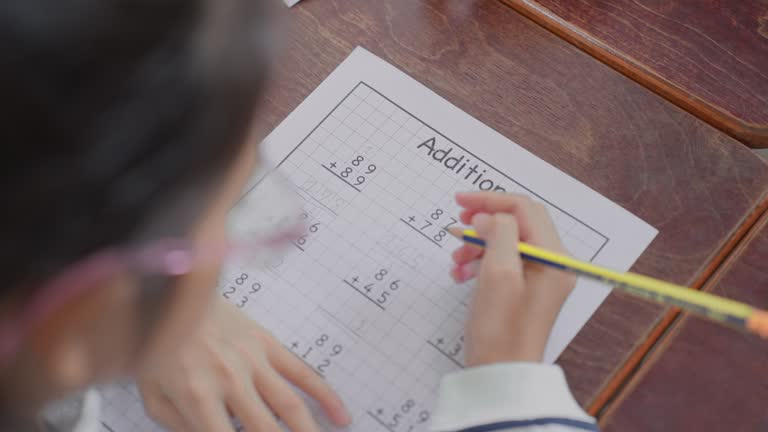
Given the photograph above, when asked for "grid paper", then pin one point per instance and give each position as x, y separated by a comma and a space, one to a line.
381, 206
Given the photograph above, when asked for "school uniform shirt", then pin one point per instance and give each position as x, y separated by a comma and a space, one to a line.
509, 397
80, 413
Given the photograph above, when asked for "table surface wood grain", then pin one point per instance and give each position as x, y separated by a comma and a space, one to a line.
719, 371
699, 187
710, 57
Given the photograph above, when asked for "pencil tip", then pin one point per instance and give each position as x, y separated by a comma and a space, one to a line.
457, 232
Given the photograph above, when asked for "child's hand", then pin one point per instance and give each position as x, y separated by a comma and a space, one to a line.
233, 366
515, 303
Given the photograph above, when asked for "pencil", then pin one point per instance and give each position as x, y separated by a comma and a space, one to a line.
715, 308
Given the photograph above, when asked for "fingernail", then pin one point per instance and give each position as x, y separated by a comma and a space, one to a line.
342, 417
345, 419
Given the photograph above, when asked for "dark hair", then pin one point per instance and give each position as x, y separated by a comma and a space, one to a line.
116, 115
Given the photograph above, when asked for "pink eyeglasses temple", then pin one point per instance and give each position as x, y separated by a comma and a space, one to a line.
165, 257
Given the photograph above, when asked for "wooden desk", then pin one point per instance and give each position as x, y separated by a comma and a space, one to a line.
709, 57
695, 184
705, 377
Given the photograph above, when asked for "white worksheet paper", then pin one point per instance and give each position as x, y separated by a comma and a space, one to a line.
365, 297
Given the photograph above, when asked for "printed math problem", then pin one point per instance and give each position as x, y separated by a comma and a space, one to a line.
354, 174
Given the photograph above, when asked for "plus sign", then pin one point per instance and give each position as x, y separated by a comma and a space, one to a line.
295, 345
355, 279
412, 219
333, 165
440, 341
380, 411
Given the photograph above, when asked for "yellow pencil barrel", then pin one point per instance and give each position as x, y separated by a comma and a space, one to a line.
713, 307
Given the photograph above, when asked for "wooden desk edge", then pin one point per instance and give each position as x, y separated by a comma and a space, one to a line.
624, 379
754, 135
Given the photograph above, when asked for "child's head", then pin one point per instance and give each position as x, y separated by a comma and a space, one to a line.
124, 121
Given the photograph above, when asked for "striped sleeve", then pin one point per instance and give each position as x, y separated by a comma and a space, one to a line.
509, 397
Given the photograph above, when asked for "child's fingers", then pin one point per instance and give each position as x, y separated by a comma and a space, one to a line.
162, 410
210, 416
466, 216
490, 202
464, 272
284, 401
252, 411
502, 257
520, 206
466, 253
298, 373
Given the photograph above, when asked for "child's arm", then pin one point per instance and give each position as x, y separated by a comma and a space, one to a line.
515, 304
